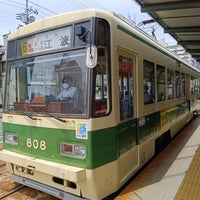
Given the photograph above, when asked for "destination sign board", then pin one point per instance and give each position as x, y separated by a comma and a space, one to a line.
49, 40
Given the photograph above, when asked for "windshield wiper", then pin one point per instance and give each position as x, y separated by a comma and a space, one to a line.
56, 117
28, 115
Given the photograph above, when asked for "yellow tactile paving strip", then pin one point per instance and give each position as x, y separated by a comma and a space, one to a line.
190, 187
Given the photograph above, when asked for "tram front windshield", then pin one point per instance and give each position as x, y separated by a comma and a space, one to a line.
55, 83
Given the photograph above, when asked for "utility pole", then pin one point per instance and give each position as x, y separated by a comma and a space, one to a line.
26, 11
26, 16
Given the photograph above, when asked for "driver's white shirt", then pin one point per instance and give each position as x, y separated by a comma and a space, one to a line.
69, 92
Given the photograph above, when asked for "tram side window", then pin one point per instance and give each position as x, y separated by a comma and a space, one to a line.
101, 86
182, 89
192, 85
177, 73
11, 93
196, 85
149, 82
187, 86
101, 33
101, 79
126, 87
16, 89
160, 74
170, 83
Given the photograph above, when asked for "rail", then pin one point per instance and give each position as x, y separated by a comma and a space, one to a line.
12, 191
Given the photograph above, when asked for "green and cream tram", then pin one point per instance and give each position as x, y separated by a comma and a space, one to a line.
131, 97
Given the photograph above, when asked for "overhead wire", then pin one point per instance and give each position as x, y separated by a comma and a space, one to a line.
81, 5
9, 15
6, 16
41, 13
77, 4
44, 11
94, 4
16, 2
11, 5
43, 7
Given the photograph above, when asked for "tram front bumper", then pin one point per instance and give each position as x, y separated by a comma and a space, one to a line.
62, 171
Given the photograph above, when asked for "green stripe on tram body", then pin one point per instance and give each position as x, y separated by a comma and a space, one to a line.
101, 145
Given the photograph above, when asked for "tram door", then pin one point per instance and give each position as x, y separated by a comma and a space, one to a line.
127, 127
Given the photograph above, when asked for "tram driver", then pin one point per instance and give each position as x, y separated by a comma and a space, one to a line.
69, 93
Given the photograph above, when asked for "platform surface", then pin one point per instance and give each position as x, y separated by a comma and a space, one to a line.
174, 174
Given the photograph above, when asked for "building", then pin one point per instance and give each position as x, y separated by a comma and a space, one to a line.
3, 52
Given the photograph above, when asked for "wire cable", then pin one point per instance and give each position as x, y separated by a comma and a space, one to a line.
43, 7
11, 5
77, 4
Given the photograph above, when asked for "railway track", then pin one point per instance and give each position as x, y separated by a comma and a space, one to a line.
10, 190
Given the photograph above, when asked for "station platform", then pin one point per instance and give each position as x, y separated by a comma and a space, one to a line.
172, 175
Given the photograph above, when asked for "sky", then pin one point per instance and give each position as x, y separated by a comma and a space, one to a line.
128, 8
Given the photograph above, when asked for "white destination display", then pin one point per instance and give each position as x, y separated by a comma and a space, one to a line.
50, 40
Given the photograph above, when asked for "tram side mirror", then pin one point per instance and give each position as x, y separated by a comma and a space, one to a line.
81, 32
91, 56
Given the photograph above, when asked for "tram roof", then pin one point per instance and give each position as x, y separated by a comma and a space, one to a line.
179, 18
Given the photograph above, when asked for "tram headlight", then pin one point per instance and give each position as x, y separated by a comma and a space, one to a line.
11, 139
73, 150
80, 150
